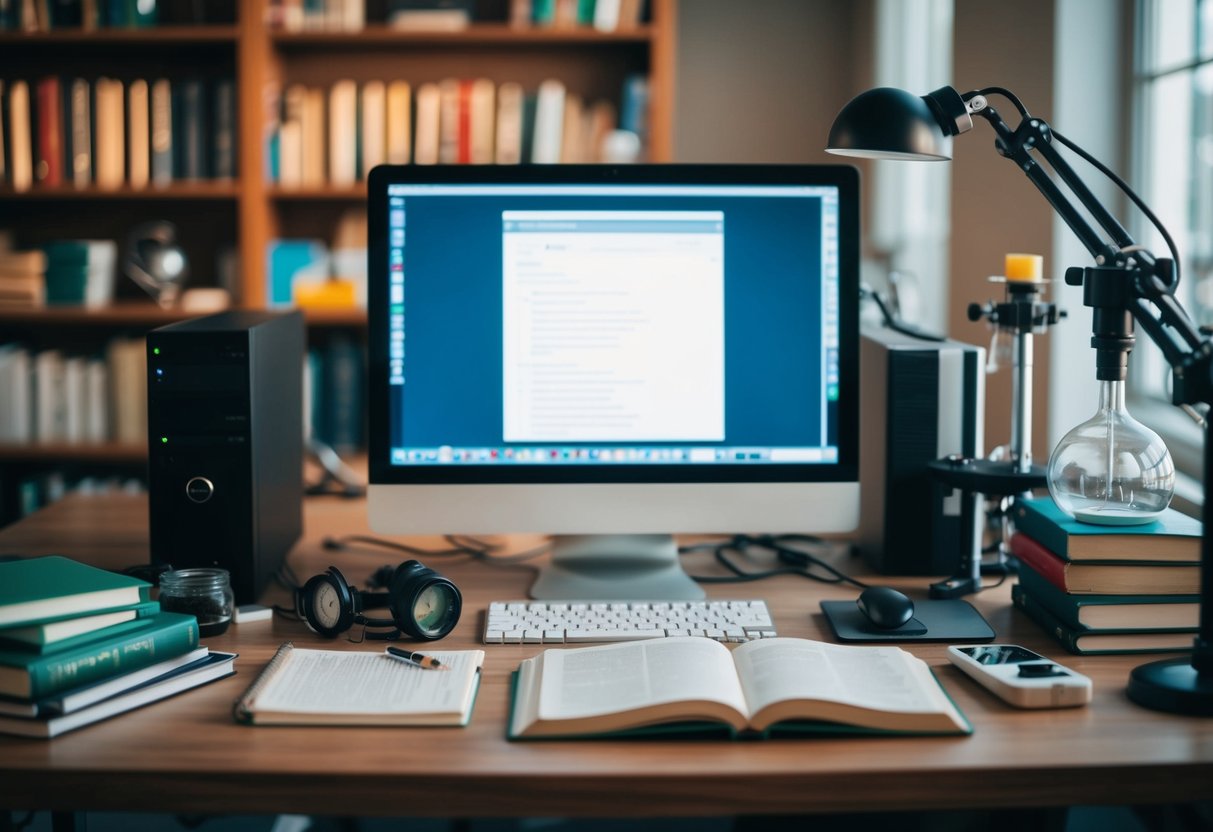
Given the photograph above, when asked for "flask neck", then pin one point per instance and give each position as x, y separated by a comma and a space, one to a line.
1112, 395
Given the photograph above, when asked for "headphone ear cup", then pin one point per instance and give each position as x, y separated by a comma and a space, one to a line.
399, 602
345, 603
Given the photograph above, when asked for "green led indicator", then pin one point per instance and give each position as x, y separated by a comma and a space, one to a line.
155, 350
832, 392
163, 440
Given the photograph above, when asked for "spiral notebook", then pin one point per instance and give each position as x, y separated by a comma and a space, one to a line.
342, 687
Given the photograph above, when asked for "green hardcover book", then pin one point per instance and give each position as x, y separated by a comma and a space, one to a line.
1095, 642
54, 588
57, 636
30, 676
1112, 612
1174, 537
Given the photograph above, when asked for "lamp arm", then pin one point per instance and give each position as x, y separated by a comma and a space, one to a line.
1034, 134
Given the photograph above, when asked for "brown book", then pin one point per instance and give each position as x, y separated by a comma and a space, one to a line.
49, 169
21, 154
139, 134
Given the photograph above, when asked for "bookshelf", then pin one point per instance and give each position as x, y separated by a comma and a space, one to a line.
248, 211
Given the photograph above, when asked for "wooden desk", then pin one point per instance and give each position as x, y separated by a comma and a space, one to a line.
187, 755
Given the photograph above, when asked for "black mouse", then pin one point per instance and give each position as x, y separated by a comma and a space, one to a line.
885, 607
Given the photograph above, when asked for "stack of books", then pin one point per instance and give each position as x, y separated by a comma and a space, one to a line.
1108, 589
79, 644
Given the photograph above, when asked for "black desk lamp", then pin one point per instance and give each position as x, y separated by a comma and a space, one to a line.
1127, 283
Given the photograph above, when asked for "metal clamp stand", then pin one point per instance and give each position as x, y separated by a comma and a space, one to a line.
1023, 314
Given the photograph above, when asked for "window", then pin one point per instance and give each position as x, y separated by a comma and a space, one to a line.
1173, 172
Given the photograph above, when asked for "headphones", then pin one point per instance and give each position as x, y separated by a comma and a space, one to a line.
423, 604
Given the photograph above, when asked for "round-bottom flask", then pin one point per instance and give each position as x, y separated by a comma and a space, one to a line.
1111, 469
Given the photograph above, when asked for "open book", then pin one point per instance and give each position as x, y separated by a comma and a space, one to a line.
342, 687
762, 687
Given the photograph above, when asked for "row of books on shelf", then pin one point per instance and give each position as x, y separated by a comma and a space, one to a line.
111, 133
49, 15
336, 136
1105, 589
79, 644
51, 396
453, 15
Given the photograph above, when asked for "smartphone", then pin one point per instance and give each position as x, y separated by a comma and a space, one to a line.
1021, 677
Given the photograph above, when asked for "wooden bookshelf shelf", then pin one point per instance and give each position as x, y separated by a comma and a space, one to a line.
226, 190
479, 34
120, 314
109, 453
176, 35
335, 317
335, 193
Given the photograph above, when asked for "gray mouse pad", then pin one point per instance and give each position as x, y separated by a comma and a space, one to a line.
950, 620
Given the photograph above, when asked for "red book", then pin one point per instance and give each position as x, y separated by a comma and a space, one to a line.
49, 170
465, 122
1107, 578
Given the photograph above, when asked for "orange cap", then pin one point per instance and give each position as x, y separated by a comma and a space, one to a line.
1024, 267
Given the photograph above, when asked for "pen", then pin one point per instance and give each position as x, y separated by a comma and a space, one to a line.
418, 659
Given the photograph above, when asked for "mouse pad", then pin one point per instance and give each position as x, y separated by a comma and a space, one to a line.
945, 620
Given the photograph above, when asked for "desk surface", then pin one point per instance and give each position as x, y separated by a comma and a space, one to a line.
186, 755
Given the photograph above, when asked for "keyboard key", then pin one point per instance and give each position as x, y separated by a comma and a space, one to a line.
603, 636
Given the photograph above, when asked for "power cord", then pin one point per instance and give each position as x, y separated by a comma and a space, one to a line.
802, 563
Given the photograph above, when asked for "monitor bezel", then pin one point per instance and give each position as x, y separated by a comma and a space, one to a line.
383, 472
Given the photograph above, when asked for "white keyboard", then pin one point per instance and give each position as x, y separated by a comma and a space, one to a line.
573, 622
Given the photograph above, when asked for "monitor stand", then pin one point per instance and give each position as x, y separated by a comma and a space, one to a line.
625, 567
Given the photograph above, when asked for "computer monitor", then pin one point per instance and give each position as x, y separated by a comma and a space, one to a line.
613, 354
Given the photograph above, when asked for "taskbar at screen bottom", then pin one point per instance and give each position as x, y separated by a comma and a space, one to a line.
550, 454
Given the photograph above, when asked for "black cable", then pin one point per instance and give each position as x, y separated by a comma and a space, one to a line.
1124, 186
804, 562
892, 323
1007, 94
461, 545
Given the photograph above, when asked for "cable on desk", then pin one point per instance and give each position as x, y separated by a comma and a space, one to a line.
802, 563
460, 545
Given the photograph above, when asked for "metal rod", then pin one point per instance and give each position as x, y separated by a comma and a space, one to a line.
1021, 398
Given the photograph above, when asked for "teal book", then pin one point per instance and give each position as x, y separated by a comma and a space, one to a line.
54, 588
56, 636
764, 688
1112, 612
1174, 537
1095, 642
31, 676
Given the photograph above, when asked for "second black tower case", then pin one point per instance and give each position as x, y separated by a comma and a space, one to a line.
225, 461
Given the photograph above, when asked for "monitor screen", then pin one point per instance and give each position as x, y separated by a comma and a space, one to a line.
613, 349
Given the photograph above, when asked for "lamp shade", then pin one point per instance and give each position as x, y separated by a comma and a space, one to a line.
888, 123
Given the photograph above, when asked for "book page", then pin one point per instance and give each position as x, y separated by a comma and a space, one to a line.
621, 677
878, 678
338, 682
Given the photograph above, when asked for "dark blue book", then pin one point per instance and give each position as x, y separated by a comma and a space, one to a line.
223, 162
1173, 537
189, 130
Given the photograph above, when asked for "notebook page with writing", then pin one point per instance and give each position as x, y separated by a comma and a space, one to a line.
332, 687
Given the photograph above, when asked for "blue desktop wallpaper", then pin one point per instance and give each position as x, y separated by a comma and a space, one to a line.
452, 393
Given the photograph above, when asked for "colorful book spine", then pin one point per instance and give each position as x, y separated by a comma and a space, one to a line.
166, 635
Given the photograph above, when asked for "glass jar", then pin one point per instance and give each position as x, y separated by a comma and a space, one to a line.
205, 594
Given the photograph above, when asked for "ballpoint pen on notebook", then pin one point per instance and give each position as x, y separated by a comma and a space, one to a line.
417, 659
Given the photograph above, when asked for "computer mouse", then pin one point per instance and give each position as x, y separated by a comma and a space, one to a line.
885, 607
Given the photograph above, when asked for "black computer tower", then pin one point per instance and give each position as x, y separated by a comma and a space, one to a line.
225, 425
919, 401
